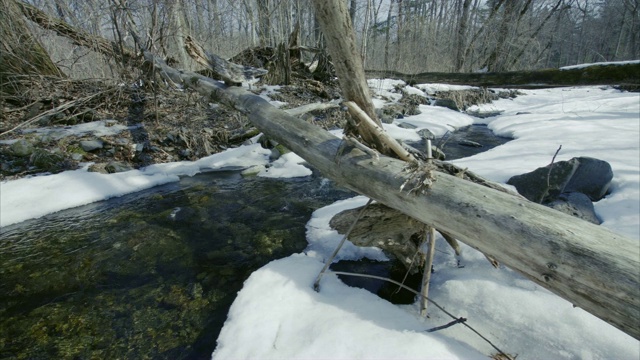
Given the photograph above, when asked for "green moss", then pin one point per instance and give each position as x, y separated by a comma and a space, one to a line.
75, 149
156, 197
270, 242
282, 149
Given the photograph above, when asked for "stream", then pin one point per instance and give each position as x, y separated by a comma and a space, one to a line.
152, 274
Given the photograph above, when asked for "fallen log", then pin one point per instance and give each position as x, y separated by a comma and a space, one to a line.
589, 265
80, 38
619, 74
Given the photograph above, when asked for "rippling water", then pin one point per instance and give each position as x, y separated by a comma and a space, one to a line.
148, 275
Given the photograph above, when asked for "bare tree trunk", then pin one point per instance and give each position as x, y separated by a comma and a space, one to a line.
264, 23
78, 37
633, 7
365, 34
492, 14
387, 38
461, 36
495, 61
626, 75
181, 32
536, 32
352, 10
336, 25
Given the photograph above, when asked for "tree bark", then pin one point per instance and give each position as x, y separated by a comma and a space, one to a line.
264, 23
589, 265
627, 75
461, 35
180, 27
336, 25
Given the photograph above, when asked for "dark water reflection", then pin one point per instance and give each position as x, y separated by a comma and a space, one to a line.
451, 142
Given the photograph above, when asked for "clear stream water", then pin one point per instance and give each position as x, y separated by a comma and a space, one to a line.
151, 275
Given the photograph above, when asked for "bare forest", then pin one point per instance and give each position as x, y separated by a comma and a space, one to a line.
408, 36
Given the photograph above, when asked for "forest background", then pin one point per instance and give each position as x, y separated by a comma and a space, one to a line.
409, 36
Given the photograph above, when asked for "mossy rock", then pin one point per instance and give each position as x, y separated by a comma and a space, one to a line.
51, 161
22, 148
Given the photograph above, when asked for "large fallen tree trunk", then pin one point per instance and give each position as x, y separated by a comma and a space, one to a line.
618, 74
586, 264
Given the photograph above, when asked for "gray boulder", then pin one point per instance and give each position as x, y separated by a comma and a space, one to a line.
448, 103
426, 134
576, 204
91, 145
405, 125
592, 178
117, 166
22, 148
589, 176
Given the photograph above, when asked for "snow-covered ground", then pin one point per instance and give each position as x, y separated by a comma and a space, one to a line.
581, 66
278, 315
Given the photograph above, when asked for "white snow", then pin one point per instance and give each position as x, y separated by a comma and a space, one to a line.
433, 88
437, 119
288, 165
95, 128
586, 121
278, 315
323, 240
581, 66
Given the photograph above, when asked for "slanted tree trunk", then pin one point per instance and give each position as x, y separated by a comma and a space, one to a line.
78, 37
20, 52
336, 25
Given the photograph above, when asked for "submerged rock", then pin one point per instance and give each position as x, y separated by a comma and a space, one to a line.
117, 166
252, 171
